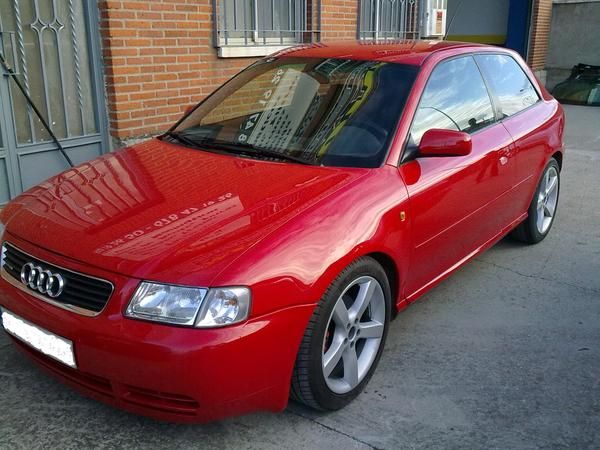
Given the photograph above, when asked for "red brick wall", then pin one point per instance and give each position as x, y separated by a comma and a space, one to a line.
339, 19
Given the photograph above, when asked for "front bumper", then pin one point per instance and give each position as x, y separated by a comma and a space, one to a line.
163, 371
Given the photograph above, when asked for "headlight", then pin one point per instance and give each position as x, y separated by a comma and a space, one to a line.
164, 303
197, 307
224, 306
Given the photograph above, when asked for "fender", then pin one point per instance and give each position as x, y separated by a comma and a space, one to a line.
307, 263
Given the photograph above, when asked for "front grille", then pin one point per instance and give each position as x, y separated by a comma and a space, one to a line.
80, 291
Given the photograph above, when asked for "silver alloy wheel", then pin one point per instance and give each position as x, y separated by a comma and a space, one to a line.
354, 331
547, 200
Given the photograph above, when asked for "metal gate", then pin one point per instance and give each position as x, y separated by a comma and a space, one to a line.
53, 45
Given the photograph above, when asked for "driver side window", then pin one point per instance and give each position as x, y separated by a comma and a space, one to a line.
455, 98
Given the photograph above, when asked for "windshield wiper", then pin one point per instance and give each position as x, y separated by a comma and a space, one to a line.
233, 147
249, 149
182, 138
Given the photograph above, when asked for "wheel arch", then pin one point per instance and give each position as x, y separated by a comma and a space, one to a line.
558, 156
393, 275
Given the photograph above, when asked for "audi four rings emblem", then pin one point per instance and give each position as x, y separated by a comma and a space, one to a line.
43, 281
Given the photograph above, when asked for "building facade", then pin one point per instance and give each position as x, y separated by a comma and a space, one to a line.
109, 73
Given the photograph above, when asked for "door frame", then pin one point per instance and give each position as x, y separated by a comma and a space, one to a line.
7, 131
8, 127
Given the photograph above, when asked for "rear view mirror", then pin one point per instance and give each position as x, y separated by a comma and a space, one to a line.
437, 142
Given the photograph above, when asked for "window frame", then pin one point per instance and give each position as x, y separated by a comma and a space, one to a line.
534, 84
403, 158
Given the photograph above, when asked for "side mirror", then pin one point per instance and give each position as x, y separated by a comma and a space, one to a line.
438, 142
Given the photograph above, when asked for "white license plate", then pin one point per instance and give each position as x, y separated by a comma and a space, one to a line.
48, 343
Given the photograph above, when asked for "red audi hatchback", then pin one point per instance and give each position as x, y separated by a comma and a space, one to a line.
259, 248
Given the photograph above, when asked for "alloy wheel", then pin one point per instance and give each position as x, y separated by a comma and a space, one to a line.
354, 333
547, 200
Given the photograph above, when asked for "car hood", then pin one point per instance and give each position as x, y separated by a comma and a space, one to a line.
163, 212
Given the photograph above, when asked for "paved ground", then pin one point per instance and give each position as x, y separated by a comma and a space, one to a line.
505, 354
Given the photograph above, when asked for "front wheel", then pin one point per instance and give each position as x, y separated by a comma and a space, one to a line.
344, 338
542, 210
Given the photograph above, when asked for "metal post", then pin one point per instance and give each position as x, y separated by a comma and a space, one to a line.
289, 18
216, 36
255, 12
319, 19
377, 2
225, 24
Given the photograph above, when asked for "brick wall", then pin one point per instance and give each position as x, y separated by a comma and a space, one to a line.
540, 33
339, 19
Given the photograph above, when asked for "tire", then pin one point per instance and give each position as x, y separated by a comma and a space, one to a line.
545, 201
335, 330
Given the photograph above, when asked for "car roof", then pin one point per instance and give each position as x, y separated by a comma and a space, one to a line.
412, 52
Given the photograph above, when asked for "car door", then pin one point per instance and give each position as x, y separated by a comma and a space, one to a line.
457, 203
522, 113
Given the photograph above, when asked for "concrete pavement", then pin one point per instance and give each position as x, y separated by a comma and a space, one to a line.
504, 354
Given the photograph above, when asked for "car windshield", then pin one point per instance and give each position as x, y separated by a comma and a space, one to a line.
331, 112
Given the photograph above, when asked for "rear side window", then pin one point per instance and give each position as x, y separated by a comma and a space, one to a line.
508, 83
455, 98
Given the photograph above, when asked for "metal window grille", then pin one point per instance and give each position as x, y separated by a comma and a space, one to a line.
266, 22
389, 19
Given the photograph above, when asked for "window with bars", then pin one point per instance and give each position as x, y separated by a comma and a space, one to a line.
388, 19
258, 27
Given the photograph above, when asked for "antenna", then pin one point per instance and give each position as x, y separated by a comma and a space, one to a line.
452, 19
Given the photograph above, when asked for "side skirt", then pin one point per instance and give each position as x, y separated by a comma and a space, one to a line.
490, 243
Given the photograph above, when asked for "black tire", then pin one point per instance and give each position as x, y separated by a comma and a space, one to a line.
527, 231
309, 385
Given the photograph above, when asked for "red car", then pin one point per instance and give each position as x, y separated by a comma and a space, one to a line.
258, 249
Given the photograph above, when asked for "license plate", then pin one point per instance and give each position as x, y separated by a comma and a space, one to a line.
42, 340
